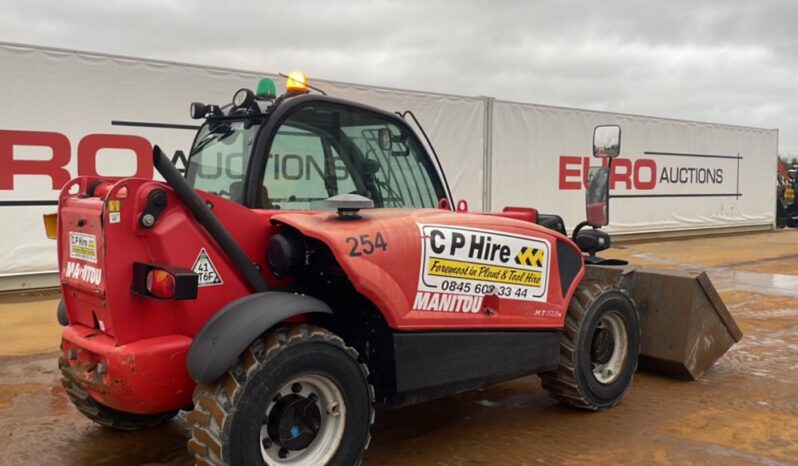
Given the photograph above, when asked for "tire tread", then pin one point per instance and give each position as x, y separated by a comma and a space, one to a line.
217, 400
562, 383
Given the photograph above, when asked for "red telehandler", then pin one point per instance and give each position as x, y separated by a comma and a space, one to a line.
310, 266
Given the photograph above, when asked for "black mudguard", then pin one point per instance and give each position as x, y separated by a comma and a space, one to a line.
228, 333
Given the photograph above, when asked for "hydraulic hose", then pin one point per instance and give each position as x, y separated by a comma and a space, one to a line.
208, 220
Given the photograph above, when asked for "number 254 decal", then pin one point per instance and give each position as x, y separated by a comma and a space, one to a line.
363, 245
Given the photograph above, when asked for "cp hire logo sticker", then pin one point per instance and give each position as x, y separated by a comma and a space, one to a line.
472, 262
204, 268
83, 247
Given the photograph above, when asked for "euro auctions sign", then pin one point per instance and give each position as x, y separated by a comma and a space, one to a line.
71, 113
14, 145
51, 156
672, 175
659, 174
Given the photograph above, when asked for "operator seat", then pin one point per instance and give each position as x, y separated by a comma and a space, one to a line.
237, 195
264, 202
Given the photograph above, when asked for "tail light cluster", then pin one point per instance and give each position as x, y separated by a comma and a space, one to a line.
164, 282
161, 284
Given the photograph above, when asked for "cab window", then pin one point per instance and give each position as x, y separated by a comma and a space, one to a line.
322, 150
218, 160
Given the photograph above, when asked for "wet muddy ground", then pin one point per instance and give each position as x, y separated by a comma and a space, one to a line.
743, 411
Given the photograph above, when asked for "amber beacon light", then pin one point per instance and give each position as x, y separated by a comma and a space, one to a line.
296, 83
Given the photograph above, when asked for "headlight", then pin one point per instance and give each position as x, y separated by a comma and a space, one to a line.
243, 98
198, 110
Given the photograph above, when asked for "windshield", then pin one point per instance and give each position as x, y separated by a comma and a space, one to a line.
219, 158
322, 150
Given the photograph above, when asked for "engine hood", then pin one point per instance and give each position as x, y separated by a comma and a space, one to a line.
431, 268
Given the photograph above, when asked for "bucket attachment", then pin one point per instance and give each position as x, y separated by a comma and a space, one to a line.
684, 325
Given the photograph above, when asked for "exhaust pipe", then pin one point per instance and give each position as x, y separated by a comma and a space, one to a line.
209, 221
684, 325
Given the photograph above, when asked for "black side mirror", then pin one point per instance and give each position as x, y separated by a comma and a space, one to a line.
597, 196
607, 141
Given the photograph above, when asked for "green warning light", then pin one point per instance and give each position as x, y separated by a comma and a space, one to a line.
266, 88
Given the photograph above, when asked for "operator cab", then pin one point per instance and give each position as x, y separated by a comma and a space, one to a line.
295, 151
303, 151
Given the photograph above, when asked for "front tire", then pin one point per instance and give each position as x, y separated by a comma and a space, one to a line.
297, 396
599, 349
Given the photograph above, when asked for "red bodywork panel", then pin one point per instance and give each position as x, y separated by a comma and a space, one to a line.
398, 278
136, 335
144, 341
145, 376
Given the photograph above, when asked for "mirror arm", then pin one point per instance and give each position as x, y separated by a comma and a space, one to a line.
609, 181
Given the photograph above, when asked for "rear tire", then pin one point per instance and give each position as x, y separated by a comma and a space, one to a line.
296, 396
101, 414
598, 351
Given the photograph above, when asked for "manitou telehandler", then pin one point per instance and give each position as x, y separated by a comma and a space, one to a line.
312, 264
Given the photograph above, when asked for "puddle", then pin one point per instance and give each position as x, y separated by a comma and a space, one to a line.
758, 282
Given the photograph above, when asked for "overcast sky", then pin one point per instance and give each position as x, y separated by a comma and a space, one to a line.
724, 61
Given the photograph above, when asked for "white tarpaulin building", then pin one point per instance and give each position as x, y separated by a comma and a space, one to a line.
68, 113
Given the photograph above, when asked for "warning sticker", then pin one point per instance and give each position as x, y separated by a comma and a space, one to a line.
208, 276
474, 262
83, 246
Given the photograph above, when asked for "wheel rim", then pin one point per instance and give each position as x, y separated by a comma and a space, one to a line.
304, 422
609, 348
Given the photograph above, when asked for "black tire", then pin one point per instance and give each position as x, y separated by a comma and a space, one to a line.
61, 314
593, 311
228, 415
101, 414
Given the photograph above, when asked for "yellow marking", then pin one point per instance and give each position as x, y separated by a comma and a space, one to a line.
83, 251
113, 206
530, 257
488, 273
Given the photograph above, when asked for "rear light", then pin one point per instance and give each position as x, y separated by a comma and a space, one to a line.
164, 281
160, 284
